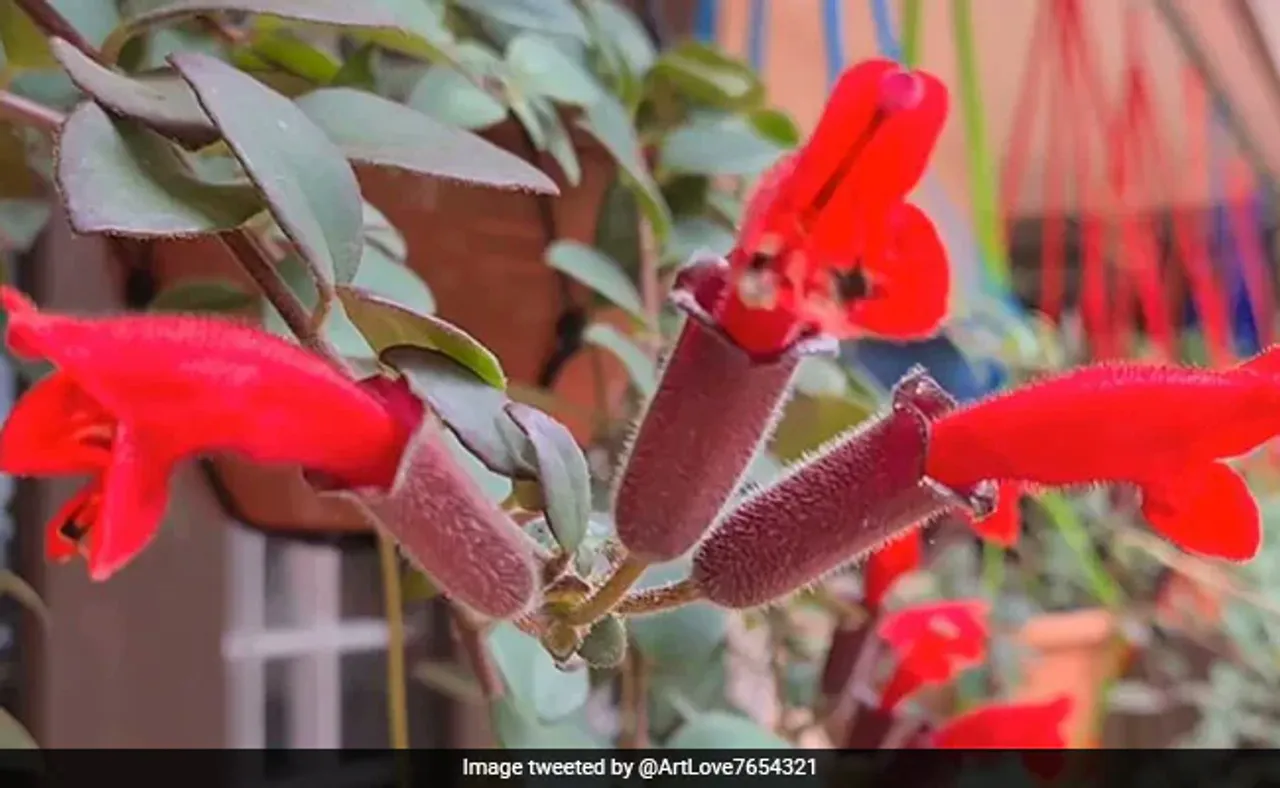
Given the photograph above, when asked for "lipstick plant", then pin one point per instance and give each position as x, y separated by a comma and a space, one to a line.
553, 580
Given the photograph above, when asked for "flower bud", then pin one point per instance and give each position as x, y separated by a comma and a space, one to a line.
446, 526
867, 488
713, 407
605, 646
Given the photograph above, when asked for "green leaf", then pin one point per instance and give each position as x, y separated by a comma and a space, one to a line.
340, 13
687, 635
618, 227
610, 123
386, 325
13, 736
475, 411
385, 277
20, 180
165, 103
337, 328
562, 473
416, 587
517, 730
559, 17
24, 44
640, 368
422, 32
495, 486
202, 296
718, 730
775, 126
21, 222
374, 130
598, 272
310, 189
120, 178
708, 76
284, 50
695, 234
680, 690
357, 70
447, 95
540, 66
620, 28
728, 146
533, 681
558, 142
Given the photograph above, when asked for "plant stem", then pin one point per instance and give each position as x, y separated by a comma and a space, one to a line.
656, 600
53, 23
634, 703
30, 113
393, 600
255, 262
609, 595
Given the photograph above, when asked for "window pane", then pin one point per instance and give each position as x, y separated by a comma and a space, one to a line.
364, 694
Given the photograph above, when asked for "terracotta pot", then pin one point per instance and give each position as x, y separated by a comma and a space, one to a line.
1073, 653
480, 250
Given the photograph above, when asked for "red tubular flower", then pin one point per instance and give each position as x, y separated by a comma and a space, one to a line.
827, 249
1007, 726
828, 242
1166, 430
867, 488
933, 643
132, 396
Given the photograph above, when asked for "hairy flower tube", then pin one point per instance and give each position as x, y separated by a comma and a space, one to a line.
1166, 430
132, 396
868, 487
443, 521
827, 249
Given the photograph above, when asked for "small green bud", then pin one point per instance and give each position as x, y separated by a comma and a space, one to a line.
605, 645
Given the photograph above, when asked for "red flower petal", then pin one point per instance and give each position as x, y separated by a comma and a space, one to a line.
1007, 726
1206, 509
1003, 525
933, 643
135, 495
872, 145
886, 565
203, 384
910, 279
1109, 422
78, 516
55, 428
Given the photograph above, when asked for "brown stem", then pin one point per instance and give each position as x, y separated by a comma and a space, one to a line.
20, 109
607, 597
634, 703
656, 600
473, 647
223, 31
53, 23
255, 262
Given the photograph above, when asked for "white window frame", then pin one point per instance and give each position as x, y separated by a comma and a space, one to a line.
314, 642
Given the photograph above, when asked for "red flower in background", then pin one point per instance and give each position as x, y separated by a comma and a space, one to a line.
1166, 430
1007, 726
132, 396
933, 644
885, 566
828, 242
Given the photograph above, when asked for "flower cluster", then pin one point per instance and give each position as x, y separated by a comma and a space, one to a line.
830, 248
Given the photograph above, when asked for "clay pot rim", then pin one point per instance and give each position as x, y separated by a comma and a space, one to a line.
1069, 629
